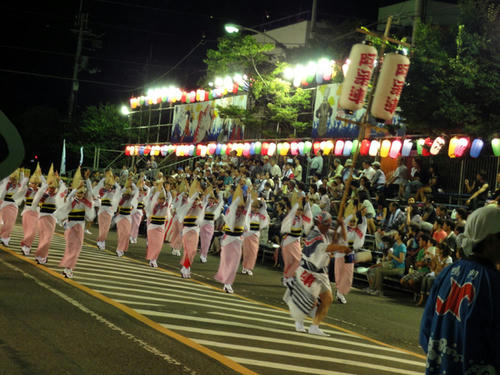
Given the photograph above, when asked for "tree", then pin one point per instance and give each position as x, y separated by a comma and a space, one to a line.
454, 78
272, 101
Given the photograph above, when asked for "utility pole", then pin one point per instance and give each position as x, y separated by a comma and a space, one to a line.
312, 25
81, 21
417, 18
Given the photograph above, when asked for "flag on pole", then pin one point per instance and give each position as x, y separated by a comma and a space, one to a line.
63, 159
81, 155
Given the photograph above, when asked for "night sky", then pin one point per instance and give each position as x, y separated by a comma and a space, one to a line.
129, 43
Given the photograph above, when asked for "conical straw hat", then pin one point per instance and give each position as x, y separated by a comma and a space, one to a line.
15, 175
51, 177
109, 179
195, 187
209, 191
182, 187
77, 179
238, 193
296, 198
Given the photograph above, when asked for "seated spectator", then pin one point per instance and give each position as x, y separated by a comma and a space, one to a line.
367, 171
370, 210
438, 263
412, 245
338, 168
395, 222
378, 179
431, 189
460, 216
380, 208
399, 178
393, 264
324, 202
421, 267
365, 185
297, 171
451, 238
479, 191
418, 178
439, 234
428, 212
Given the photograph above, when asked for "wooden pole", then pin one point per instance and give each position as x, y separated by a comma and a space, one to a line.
363, 125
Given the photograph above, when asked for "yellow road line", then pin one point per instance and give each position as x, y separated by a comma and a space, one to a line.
184, 340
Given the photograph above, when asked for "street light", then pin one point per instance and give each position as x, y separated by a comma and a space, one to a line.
124, 110
232, 28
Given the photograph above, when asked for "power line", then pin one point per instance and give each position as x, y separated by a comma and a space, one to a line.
111, 84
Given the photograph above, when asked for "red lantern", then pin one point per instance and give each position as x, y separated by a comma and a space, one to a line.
294, 148
426, 147
389, 86
147, 149
316, 147
127, 151
265, 147
362, 61
183, 97
365, 147
462, 146
198, 150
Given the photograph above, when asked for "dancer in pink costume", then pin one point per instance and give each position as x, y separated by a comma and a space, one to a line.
12, 190
30, 213
236, 220
77, 208
176, 225
109, 193
157, 211
49, 197
138, 211
193, 212
128, 199
258, 219
212, 213
344, 263
297, 222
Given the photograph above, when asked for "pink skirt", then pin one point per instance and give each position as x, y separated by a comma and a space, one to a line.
74, 242
176, 238
206, 234
9, 216
155, 243
230, 256
46, 228
30, 227
104, 220
136, 222
190, 243
250, 251
292, 253
123, 230
343, 275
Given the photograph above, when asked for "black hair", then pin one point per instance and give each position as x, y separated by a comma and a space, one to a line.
450, 223
445, 249
463, 213
322, 190
439, 221
460, 228
425, 237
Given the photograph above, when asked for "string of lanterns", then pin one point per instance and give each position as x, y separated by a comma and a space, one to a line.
457, 148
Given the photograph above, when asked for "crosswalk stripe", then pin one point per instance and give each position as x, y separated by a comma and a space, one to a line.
287, 367
306, 356
293, 343
244, 325
127, 302
191, 298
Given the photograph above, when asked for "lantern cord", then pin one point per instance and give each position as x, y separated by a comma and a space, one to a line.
201, 42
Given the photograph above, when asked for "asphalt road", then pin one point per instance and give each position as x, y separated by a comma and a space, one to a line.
120, 316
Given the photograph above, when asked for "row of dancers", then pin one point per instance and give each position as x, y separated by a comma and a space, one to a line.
180, 215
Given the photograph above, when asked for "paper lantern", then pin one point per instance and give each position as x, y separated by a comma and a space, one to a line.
316, 147
127, 151
339, 147
218, 149
155, 150
463, 144
365, 147
495, 145
301, 148
437, 145
285, 148
395, 149
164, 150
211, 148
347, 148
389, 86
355, 146
407, 146
374, 148
420, 145
223, 149
204, 150
384, 148
272, 149
279, 146
246, 149
258, 148
265, 149
147, 149
307, 147
198, 150
357, 77
239, 149
252, 148
229, 148
452, 147
178, 151
476, 147
328, 147
294, 148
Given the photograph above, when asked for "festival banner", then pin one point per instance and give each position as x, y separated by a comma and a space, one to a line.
200, 122
327, 109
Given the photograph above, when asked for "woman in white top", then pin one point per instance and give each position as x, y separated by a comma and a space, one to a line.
157, 211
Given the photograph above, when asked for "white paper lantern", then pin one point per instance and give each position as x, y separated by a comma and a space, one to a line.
362, 61
389, 86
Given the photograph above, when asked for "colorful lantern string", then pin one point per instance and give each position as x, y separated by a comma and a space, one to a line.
476, 147
395, 149
385, 148
495, 145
